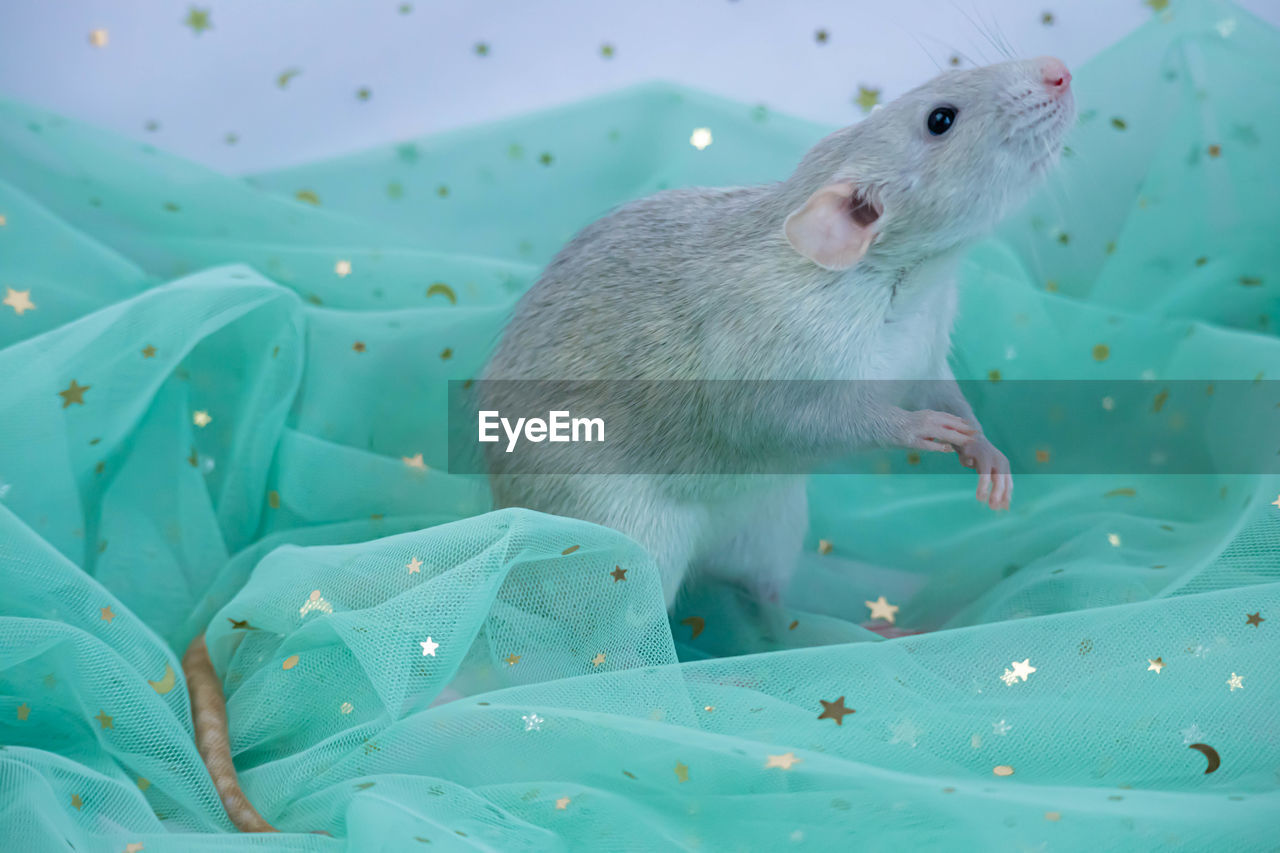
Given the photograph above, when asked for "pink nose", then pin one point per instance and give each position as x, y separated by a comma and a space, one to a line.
1055, 74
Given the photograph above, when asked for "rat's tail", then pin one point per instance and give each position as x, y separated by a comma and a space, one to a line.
209, 713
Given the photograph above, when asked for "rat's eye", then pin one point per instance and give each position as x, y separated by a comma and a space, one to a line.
940, 120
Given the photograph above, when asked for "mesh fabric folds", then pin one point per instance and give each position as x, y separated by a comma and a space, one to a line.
225, 412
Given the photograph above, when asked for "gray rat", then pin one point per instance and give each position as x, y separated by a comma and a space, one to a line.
843, 271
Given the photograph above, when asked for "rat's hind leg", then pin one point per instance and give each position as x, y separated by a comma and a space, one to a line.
762, 553
668, 530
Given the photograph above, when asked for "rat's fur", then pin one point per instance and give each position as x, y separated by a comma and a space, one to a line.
703, 284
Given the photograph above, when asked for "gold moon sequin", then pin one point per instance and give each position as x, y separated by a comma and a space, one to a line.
696, 623
444, 290
165, 684
1210, 753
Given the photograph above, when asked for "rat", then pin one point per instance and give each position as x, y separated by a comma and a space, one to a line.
843, 271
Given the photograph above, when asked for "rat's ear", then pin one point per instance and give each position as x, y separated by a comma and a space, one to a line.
834, 228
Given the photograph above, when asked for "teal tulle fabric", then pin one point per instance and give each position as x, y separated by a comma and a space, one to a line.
225, 412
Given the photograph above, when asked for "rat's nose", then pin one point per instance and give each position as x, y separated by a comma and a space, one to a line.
1055, 75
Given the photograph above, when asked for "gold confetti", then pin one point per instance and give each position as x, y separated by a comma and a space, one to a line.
73, 394
620, 574
1114, 539
598, 659
993, 375
700, 138
682, 772
1121, 493
99, 38
444, 290
1053, 816
482, 49
273, 499
708, 708
1101, 352
3, 221
105, 720
1214, 760
545, 158
1042, 456
166, 682
307, 196
1002, 770
315, 601
414, 566
286, 76
821, 36
1156, 5
563, 803
359, 346
446, 354
835, 710
134, 847
512, 660
1156, 664
148, 351
201, 418
342, 269
76, 802
290, 662
882, 609
1119, 123
1047, 19
364, 93
794, 624
198, 20
1215, 150
240, 625
606, 50
346, 708
18, 300
1255, 619
1250, 281
867, 98
24, 711
1235, 682
825, 546
107, 615
415, 462
429, 647
696, 625
567, 551
785, 761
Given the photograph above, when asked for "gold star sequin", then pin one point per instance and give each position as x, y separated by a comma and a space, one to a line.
1157, 664
682, 772
24, 711
201, 418
563, 803
346, 708
415, 461
99, 38
1020, 670
881, 609
73, 394
18, 300
512, 660
342, 269
76, 802
1276, 502
1255, 619
198, 20
1235, 682
598, 659
867, 98
834, 711
105, 720
618, 574
107, 615
825, 546
786, 761
148, 351
414, 566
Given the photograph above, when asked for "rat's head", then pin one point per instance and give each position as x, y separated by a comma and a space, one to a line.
934, 168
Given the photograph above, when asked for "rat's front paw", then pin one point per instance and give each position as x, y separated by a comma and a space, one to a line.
995, 483
938, 431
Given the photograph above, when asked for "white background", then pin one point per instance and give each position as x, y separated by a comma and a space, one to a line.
424, 73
